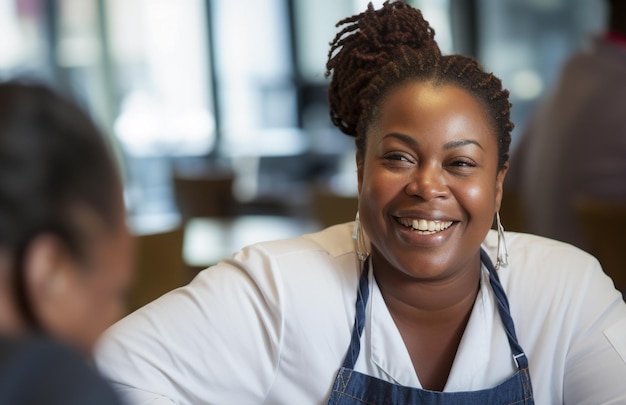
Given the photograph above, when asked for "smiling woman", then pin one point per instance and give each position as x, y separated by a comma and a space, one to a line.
404, 305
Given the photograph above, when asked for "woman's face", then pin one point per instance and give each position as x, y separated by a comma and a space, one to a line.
429, 185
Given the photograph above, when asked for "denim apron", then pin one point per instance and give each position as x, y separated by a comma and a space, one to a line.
352, 387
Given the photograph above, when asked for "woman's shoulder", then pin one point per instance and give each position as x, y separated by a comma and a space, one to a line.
534, 247
542, 258
540, 267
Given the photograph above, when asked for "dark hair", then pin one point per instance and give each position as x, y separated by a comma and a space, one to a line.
379, 50
54, 166
54, 162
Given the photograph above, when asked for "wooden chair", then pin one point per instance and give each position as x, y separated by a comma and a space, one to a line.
604, 226
512, 212
204, 195
330, 208
159, 266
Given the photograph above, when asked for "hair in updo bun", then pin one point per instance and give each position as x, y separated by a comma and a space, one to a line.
368, 43
380, 49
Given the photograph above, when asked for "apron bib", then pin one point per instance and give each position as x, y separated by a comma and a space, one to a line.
354, 388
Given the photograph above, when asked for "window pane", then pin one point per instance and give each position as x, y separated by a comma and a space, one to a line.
253, 68
23, 48
160, 53
160, 56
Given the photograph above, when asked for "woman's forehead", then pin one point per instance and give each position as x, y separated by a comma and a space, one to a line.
424, 104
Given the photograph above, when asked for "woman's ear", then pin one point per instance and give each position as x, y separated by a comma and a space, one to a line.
500, 185
50, 272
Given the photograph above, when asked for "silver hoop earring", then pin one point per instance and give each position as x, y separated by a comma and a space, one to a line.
503, 254
359, 238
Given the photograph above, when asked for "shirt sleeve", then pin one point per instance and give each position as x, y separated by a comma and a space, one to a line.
595, 369
216, 340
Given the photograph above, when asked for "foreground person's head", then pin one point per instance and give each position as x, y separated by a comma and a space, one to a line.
65, 250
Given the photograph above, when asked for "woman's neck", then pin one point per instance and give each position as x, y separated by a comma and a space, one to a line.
424, 301
431, 316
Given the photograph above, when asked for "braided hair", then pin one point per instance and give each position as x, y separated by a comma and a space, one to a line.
378, 50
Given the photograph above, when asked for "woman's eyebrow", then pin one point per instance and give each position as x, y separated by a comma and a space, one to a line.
402, 137
460, 143
450, 145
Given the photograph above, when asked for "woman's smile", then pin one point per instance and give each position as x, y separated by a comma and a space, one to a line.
415, 232
424, 226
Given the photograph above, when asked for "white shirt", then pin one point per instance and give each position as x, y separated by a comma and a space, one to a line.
272, 324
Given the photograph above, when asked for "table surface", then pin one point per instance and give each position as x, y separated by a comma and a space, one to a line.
208, 240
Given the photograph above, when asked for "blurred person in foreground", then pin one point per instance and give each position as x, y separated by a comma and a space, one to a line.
65, 251
415, 302
574, 146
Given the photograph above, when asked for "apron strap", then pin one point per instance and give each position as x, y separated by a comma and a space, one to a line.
359, 321
505, 312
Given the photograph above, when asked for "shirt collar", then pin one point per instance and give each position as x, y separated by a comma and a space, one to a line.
383, 345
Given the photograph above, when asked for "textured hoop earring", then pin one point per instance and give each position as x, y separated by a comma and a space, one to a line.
503, 254
359, 237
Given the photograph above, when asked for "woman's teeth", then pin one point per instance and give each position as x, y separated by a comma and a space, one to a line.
424, 226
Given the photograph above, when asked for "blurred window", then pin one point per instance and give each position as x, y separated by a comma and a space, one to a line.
255, 78
160, 53
23, 49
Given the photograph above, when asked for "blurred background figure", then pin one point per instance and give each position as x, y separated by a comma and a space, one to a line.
574, 147
65, 250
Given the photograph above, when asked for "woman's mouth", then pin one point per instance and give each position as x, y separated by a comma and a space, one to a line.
424, 226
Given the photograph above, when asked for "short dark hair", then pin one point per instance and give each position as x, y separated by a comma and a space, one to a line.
53, 160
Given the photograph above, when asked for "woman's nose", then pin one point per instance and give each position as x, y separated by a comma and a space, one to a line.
427, 182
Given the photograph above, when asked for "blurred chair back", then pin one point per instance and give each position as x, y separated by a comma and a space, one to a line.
604, 226
512, 212
330, 208
204, 195
159, 266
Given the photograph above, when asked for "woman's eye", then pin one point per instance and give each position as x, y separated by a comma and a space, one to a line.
463, 163
397, 157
